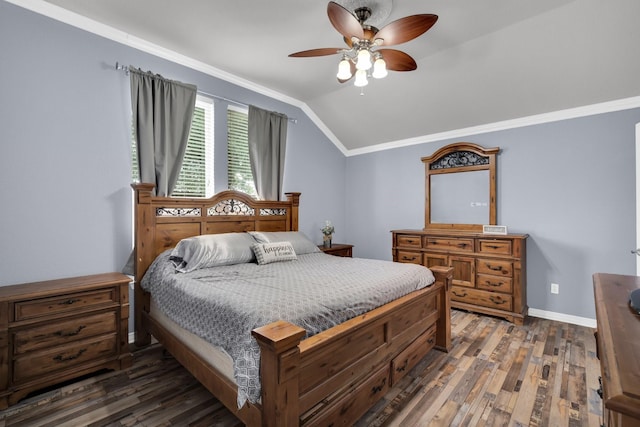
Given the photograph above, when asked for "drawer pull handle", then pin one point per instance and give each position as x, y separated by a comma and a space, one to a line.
490, 267
493, 246
68, 302
462, 245
497, 300
70, 334
406, 258
430, 340
378, 388
433, 242
403, 367
61, 358
458, 295
410, 240
497, 285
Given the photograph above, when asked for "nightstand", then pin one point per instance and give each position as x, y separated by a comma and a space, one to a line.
338, 249
57, 330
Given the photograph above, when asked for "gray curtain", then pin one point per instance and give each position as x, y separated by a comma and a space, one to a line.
267, 138
162, 113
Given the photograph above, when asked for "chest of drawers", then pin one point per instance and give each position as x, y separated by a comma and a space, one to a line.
489, 271
618, 348
57, 330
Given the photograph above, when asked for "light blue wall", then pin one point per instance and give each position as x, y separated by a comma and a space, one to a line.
65, 171
570, 185
65, 121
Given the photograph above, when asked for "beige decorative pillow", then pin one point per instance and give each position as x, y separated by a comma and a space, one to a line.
301, 243
267, 253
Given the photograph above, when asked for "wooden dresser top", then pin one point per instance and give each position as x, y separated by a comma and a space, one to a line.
618, 341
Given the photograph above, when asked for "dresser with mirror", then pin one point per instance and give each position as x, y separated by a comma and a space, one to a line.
489, 270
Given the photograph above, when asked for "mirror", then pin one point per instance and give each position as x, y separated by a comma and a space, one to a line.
460, 188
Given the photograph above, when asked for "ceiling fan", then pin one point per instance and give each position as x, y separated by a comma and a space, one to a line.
364, 42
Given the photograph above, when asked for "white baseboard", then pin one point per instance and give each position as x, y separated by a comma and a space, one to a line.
561, 317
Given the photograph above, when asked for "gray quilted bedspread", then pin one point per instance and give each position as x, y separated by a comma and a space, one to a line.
317, 291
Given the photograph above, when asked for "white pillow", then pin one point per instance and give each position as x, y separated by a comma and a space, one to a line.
301, 243
211, 250
267, 253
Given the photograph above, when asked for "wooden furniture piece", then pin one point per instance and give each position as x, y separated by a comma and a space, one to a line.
331, 377
61, 329
618, 343
338, 249
489, 271
460, 187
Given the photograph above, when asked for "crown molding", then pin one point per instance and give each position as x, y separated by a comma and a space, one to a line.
571, 113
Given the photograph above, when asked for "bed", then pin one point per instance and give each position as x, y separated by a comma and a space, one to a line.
329, 378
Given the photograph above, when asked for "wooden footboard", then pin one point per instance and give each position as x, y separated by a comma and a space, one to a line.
333, 377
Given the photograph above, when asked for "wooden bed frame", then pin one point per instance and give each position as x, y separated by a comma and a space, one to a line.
331, 378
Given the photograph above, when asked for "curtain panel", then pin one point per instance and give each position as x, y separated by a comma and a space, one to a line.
162, 113
267, 139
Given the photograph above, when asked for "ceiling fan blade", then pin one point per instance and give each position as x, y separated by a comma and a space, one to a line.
316, 52
343, 21
405, 29
397, 60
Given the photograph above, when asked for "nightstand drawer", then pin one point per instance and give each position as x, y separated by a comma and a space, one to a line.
52, 334
64, 303
495, 267
338, 249
450, 244
409, 241
410, 257
41, 363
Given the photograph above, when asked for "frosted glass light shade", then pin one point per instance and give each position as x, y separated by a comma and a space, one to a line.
344, 70
379, 69
361, 78
364, 60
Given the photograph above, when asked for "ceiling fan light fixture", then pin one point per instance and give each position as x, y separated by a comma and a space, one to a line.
379, 69
361, 78
363, 61
344, 69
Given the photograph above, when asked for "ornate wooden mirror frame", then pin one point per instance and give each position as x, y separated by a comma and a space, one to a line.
456, 158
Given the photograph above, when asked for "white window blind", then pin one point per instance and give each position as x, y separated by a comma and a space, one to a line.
239, 168
196, 175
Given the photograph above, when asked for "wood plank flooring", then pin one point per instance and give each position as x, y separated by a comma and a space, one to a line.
544, 373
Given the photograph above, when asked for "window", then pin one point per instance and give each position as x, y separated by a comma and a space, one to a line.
239, 167
196, 175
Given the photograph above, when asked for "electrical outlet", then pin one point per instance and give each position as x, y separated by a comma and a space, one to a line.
555, 288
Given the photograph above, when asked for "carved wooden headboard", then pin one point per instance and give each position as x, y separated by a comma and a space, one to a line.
161, 222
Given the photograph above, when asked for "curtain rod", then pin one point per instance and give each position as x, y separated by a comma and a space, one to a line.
221, 98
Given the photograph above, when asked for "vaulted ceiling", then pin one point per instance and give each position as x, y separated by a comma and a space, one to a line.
483, 62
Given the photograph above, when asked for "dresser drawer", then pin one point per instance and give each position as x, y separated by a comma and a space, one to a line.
33, 309
410, 257
495, 283
39, 363
482, 298
450, 244
56, 333
409, 241
411, 355
495, 267
499, 247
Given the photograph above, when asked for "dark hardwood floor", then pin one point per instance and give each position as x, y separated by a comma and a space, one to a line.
544, 373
